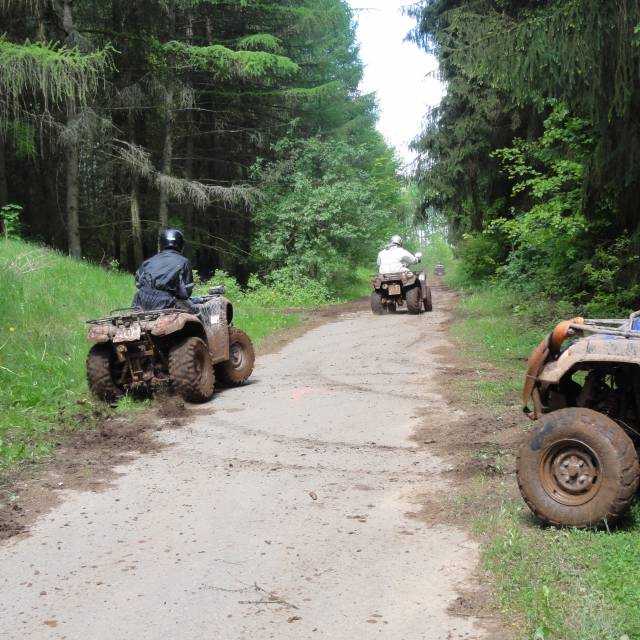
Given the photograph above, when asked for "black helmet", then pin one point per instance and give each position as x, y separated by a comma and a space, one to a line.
171, 239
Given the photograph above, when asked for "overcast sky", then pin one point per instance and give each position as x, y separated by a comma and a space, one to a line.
396, 70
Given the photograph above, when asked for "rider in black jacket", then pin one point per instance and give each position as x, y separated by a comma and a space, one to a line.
165, 280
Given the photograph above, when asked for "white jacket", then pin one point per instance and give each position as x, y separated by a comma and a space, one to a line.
394, 259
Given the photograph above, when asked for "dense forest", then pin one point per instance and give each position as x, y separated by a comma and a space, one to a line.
532, 156
239, 121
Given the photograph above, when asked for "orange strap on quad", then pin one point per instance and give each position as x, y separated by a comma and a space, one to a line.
536, 361
550, 346
560, 334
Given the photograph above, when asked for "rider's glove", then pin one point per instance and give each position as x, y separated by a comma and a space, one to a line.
197, 299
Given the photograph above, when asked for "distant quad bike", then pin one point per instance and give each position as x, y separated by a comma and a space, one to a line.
392, 290
143, 350
439, 269
579, 467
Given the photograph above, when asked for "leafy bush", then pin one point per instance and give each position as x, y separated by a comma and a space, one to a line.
10, 220
479, 256
286, 287
327, 208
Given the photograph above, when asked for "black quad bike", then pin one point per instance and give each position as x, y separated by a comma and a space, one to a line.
392, 290
145, 350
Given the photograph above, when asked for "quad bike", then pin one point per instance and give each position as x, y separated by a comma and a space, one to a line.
439, 269
144, 350
579, 467
392, 290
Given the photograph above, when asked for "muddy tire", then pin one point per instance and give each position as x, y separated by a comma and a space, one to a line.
100, 362
376, 303
191, 370
242, 357
579, 469
414, 300
428, 302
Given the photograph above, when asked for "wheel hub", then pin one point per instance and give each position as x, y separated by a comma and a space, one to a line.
571, 472
574, 471
236, 356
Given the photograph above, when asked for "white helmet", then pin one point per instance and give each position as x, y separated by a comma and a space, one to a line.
396, 240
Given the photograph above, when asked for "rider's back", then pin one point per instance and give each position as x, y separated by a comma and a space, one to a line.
394, 259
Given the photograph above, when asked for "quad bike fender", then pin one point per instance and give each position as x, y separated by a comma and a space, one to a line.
218, 342
591, 350
217, 315
536, 362
539, 365
166, 325
99, 333
410, 281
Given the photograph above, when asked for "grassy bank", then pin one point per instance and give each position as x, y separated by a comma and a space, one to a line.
44, 303
552, 584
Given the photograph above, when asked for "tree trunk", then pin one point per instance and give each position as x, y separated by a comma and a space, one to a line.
188, 208
73, 192
134, 202
167, 147
167, 154
136, 225
73, 153
4, 187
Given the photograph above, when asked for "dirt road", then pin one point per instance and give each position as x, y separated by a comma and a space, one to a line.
285, 509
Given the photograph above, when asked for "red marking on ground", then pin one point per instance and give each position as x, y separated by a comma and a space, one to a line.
298, 394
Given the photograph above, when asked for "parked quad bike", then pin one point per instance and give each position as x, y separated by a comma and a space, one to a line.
144, 350
579, 467
393, 290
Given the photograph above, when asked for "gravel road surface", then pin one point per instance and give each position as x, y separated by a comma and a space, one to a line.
285, 509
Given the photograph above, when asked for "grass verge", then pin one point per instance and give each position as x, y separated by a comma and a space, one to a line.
550, 584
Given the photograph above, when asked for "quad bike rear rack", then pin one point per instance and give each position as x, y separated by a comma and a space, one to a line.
133, 316
608, 326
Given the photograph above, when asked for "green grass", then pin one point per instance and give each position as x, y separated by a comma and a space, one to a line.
46, 299
493, 331
358, 286
550, 584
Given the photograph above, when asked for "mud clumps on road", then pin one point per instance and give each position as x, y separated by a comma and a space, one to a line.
475, 441
83, 460
478, 443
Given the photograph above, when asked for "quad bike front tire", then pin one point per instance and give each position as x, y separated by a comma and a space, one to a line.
100, 362
578, 469
428, 301
376, 303
414, 300
239, 366
191, 370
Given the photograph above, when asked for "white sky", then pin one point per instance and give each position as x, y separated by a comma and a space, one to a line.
398, 71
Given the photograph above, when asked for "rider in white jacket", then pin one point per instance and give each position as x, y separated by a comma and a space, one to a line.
394, 259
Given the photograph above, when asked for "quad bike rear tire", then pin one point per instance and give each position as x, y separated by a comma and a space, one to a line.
414, 300
376, 303
579, 469
239, 366
191, 370
100, 363
428, 301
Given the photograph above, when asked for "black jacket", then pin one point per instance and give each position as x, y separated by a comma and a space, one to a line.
163, 279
